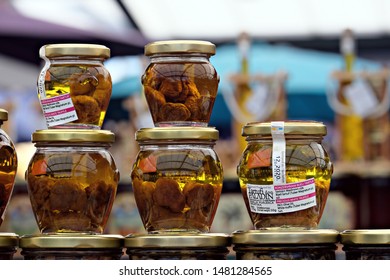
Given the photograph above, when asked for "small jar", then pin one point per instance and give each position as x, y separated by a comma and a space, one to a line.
203, 246
284, 174
72, 180
180, 84
8, 166
8, 245
285, 244
366, 244
177, 178
71, 247
74, 87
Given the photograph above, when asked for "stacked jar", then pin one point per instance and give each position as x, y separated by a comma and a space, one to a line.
285, 175
177, 176
72, 177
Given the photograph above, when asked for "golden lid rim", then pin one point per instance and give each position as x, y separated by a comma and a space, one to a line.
57, 50
365, 236
264, 237
3, 115
178, 240
73, 135
180, 46
177, 133
68, 240
314, 128
9, 239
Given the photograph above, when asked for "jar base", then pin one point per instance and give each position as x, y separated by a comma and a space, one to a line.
181, 123
76, 126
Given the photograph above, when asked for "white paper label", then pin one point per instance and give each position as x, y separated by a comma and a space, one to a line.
58, 110
285, 198
361, 97
278, 153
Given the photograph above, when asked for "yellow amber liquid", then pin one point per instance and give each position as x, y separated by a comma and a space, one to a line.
8, 167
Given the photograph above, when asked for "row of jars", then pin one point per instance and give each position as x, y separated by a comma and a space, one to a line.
240, 245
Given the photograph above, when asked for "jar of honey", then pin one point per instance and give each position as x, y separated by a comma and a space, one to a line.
74, 87
284, 174
8, 166
180, 84
177, 178
72, 180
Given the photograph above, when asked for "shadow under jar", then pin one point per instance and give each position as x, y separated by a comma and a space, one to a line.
75, 80
285, 182
177, 178
72, 180
180, 84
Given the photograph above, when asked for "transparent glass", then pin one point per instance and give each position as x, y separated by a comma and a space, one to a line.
177, 186
72, 188
199, 253
305, 158
180, 89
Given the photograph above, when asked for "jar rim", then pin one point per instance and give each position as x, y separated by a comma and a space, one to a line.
365, 236
257, 237
313, 128
3, 115
8, 239
73, 135
177, 240
58, 50
177, 133
180, 46
68, 240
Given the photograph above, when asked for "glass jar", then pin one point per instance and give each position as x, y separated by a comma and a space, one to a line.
71, 247
8, 245
180, 84
72, 180
74, 87
366, 244
177, 178
284, 174
8, 166
203, 246
285, 244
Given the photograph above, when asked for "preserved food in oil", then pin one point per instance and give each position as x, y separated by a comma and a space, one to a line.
72, 180
177, 178
180, 84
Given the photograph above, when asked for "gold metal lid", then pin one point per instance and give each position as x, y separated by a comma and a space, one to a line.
8, 239
177, 240
290, 128
180, 46
56, 50
363, 236
70, 241
73, 135
264, 237
177, 133
3, 115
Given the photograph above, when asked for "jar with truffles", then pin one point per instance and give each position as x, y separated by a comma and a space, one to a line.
74, 87
284, 174
180, 84
177, 178
8, 166
72, 180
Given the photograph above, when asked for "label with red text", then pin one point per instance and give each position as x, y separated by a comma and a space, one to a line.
58, 110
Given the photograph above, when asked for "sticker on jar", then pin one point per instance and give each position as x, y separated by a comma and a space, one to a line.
58, 110
278, 153
285, 198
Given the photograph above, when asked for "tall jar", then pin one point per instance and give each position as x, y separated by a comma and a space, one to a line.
72, 180
180, 84
74, 87
8, 166
177, 178
284, 174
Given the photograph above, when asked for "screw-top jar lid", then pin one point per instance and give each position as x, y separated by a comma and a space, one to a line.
8, 239
362, 236
73, 135
71, 241
177, 240
57, 50
180, 46
290, 128
3, 115
255, 237
177, 133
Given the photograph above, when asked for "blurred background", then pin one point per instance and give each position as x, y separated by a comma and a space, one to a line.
313, 50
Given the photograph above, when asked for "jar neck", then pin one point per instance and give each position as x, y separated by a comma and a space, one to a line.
289, 138
172, 57
61, 145
76, 60
177, 143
